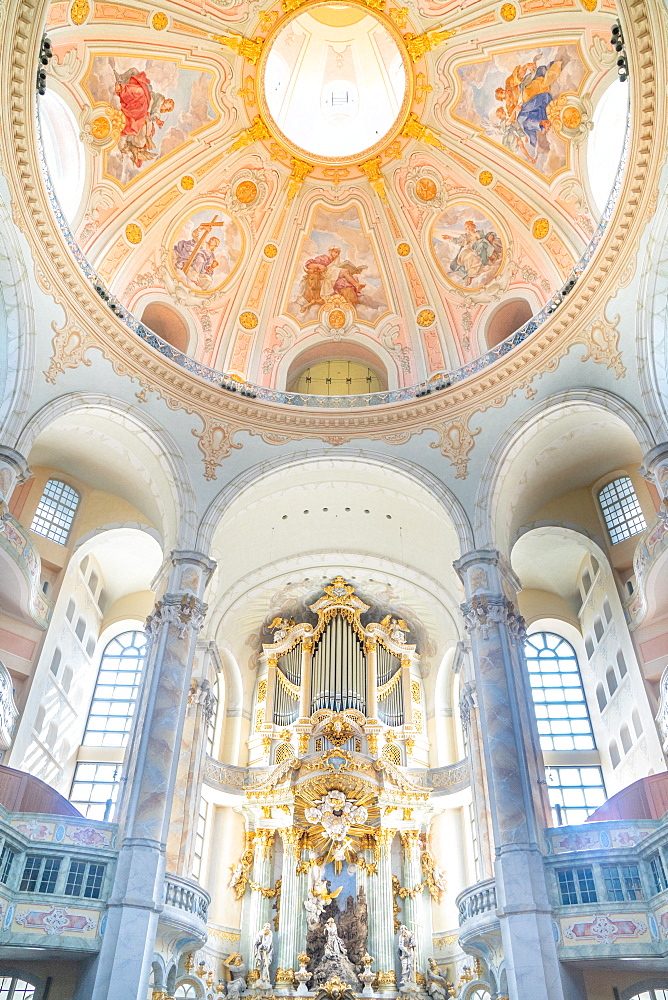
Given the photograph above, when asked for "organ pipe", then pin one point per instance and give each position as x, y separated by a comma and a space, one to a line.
338, 672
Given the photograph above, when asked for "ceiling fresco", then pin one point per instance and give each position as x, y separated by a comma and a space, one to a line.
330, 179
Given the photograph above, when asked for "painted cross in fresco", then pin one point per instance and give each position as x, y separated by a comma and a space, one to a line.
196, 258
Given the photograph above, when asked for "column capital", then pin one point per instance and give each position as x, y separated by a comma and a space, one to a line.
14, 470
183, 611
487, 571
654, 468
482, 613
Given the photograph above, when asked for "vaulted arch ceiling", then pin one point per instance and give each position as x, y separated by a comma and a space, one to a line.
444, 169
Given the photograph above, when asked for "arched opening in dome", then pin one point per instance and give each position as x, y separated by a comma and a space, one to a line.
507, 318
352, 370
63, 152
167, 323
606, 141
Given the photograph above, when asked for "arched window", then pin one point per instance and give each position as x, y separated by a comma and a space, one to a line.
637, 724
600, 697
598, 629
651, 995
625, 737
95, 784
613, 750
55, 511
611, 680
183, 990
15, 989
559, 698
621, 510
621, 663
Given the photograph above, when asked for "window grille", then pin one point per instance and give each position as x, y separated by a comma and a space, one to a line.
112, 708
95, 789
39, 874
559, 699
55, 511
658, 872
84, 878
622, 882
15, 989
574, 792
6, 862
621, 510
576, 885
200, 830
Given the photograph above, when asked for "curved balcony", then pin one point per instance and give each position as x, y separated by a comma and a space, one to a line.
186, 907
20, 571
478, 922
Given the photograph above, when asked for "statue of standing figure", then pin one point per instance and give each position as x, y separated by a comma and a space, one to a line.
334, 946
406, 955
263, 953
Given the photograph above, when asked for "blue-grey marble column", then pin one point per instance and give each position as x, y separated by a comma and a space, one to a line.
381, 915
413, 908
514, 773
123, 966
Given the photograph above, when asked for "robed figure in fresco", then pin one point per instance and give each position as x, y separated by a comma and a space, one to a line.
141, 108
525, 99
478, 250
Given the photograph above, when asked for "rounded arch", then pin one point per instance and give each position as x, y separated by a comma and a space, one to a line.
340, 350
507, 317
139, 451
169, 324
556, 421
317, 347
412, 470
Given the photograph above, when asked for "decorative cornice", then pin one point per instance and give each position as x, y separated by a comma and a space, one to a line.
448, 411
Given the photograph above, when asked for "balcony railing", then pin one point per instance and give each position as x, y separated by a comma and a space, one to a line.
183, 894
476, 900
16, 543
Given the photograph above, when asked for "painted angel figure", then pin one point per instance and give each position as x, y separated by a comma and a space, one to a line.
406, 955
263, 952
318, 896
141, 108
280, 627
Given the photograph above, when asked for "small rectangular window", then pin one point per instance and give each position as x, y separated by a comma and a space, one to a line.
75, 877
576, 885
49, 875
621, 510
6, 862
94, 881
658, 872
30, 873
622, 882
55, 511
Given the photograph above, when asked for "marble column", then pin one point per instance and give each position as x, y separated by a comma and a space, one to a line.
123, 965
515, 775
292, 905
381, 916
413, 908
257, 908
470, 716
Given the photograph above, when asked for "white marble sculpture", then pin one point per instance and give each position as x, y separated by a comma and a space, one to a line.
263, 953
406, 955
334, 946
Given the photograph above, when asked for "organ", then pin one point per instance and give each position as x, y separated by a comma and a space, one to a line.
338, 682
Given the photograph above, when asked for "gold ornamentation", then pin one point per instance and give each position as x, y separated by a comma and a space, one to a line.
399, 15
372, 740
248, 48
266, 812
540, 229
403, 249
335, 989
302, 745
436, 888
69, 350
248, 320
266, 744
571, 117
262, 689
602, 342
426, 317
259, 719
189, 964
285, 977
410, 744
160, 21
248, 91
300, 171
455, 442
100, 128
337, 319
426, 189
79, 11
252, 976
371, 170
417, 719
268, 19
414, 129
589, 5
246, 192
257, 130
508, 12
338, 731
419, 45
415, 692
270, 250
485, 177
422, 88
187, 182
133, 233
386, 980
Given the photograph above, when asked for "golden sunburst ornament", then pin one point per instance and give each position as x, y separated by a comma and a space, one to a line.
540, 229
426, 317
133, 233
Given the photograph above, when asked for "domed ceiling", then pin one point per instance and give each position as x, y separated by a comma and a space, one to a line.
271, 186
